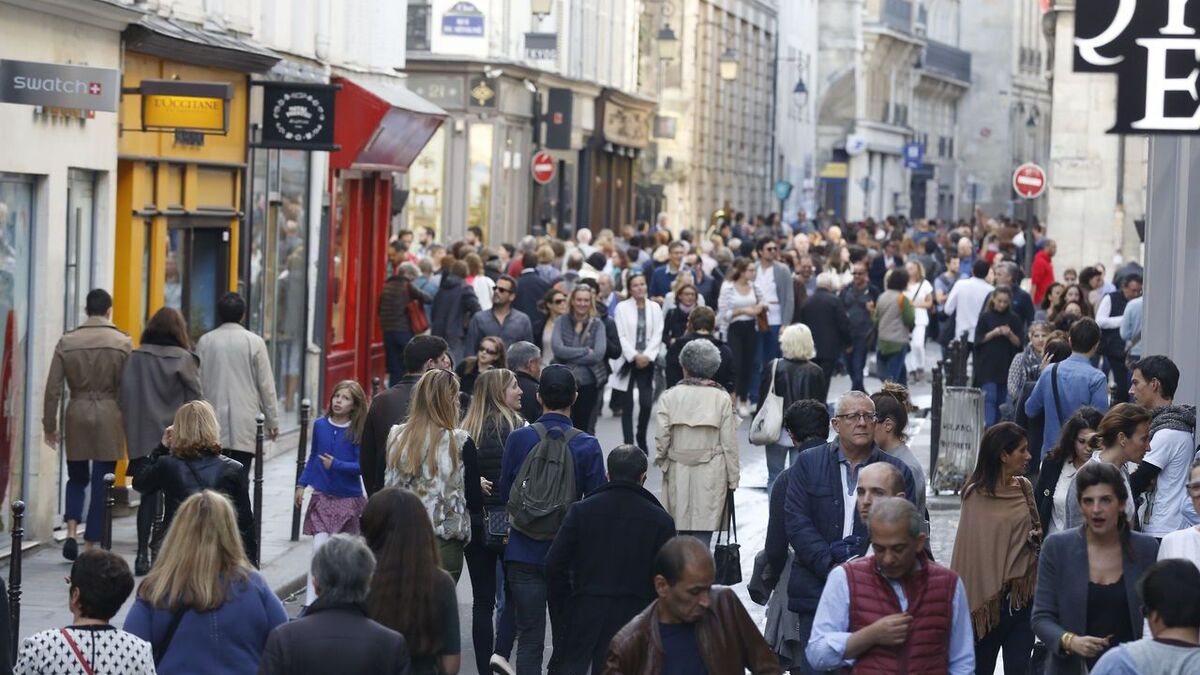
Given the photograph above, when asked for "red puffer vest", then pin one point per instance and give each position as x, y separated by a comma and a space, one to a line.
930, 593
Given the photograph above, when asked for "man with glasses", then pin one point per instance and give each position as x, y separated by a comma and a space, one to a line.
820, 511
502, 320
859, 301
774, 285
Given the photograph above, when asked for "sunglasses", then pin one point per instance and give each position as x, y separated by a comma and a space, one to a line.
490, 352
558, 301
503, 289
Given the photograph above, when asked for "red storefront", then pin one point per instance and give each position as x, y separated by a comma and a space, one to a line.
381, 129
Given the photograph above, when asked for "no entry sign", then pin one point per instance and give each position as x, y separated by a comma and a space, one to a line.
543, 167
1029, 181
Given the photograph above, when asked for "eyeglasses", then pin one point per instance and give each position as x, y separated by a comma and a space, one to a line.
856, 417
490, 352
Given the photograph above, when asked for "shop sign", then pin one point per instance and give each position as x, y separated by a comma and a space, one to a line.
59, 86
1153, 48
783, 190
463, 20
626, 126
169, 105
914, 155
447, 91
298, 115
560, 104
541, 46
481, 92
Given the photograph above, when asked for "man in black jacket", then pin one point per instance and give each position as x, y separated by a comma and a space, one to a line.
825, 316
531, 288
602, 560
700, 325
525, 359
335, 635
390, 407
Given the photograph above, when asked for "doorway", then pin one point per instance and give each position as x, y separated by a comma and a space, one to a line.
196, 271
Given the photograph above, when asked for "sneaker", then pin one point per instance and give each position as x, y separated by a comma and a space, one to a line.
70, 549
500, 665
743, 410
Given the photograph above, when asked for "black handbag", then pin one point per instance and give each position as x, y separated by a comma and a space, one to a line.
495, 529
728, 556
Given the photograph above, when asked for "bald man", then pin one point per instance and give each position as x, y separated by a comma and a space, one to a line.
876, 481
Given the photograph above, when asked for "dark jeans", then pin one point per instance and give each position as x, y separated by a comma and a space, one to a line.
829, 367
1121, 376
147, 510
592, 623
530, 598
995, 394
891, 366
486, 586
805, 632
78, 481
856, 362
394, 342
643, 380
246, 459
1014, 635
777, 457
768, 348
581, 410
743, 342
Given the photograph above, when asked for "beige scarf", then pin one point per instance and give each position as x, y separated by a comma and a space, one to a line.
993, 554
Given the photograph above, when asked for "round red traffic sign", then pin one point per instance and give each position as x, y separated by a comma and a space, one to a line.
543, 167
1029, 181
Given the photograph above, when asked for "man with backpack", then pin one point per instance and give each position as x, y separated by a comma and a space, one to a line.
546, 468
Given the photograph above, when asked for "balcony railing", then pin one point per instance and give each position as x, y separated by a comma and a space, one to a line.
942, 59
897, 15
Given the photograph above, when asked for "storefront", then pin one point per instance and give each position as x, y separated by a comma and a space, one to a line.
611, 160
57, 190
381, 127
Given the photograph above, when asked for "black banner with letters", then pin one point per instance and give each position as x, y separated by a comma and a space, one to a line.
1153, 46
298, 115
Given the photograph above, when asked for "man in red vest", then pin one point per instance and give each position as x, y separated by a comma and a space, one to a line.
896, 611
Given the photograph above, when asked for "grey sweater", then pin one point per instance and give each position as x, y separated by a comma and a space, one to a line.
579, 352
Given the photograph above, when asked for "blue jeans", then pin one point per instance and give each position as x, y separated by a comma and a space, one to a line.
777, 455
995, 394
529, 594
768, 348
77, 485
857, 362
394, 343
891, 366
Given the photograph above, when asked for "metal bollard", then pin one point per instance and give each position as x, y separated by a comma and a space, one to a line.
14, 575
376, 384
259, 421
305, 408
110, 501
935, 424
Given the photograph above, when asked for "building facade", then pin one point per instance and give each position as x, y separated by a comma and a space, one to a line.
795, 105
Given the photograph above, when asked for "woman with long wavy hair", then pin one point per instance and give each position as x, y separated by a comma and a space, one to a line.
431, 456
202, 607
410, 593
494, 413
1121, 439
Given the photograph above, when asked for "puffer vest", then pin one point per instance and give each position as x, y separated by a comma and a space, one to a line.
930, 593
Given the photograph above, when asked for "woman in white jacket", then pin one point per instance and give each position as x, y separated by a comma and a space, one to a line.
640, 327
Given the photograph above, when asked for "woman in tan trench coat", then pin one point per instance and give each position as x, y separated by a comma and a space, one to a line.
697, 444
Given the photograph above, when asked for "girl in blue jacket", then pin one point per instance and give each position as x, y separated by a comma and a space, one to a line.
332, 471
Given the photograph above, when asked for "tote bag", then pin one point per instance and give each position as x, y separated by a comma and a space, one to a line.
768, 423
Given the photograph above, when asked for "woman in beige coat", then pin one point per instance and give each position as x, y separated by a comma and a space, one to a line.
697, 444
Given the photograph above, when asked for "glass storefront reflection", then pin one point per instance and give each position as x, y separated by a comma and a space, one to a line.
16, 217
479, 192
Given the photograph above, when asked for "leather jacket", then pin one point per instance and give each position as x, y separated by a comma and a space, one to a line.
729, 641
794, 381
179, 479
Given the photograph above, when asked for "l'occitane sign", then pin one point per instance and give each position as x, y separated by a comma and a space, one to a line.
161, 111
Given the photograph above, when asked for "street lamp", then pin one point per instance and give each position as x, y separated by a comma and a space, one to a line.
668, 44
801, 93
728, 65
541, 7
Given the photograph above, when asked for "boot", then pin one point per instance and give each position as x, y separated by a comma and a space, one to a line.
141, 565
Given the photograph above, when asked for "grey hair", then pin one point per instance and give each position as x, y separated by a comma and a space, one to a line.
853, 395
700, 358
828, 281
521, 354
409, 271
342, 568
890, 510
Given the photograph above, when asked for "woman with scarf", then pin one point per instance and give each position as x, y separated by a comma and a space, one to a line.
640, 328
1026, 367
996, 550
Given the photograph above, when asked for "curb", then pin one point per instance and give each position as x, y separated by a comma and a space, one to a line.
282, 591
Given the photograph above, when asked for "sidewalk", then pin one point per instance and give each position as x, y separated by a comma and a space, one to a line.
43, 587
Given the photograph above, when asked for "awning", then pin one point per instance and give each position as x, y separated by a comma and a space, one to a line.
179, 41
381, 127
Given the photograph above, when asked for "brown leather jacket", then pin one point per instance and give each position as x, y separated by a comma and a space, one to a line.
729, 641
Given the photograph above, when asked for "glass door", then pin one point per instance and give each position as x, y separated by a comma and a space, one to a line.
197, 271
16, 224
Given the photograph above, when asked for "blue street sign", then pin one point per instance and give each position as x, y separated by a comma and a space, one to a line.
914, 155
783, 190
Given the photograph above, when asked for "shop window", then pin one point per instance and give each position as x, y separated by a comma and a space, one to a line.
340, 263
81, 226
426, 180
196, 273
16, 226
479, 195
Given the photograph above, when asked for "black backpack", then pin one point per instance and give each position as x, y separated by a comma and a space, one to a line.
545, 485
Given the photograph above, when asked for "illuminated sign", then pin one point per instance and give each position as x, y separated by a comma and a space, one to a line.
169, 105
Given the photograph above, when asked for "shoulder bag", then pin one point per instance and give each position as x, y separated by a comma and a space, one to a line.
1054, 385
83, 663
160, 650
416, 314
728, 556
768, 422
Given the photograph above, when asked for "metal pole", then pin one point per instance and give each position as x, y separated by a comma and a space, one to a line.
1029, 237
935, 422
259, 421
305, 407
14, 576
110, 501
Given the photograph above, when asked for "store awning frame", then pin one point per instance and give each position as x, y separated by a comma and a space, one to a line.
381, 127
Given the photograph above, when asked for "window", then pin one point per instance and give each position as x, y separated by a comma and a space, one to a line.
16, 227
419, 14
481, 148
427, 185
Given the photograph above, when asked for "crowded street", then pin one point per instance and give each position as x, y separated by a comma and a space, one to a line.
609, 337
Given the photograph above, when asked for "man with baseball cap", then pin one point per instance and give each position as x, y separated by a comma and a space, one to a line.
525, 556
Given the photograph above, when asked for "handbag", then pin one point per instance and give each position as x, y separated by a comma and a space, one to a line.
416, 317
728, 556
768, 421
495, 529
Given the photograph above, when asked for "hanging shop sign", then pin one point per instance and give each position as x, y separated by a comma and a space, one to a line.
59, 86
481, 91
914, 155
625, 125
463, 20
174, 105
298, 115
1153, 46
560, 105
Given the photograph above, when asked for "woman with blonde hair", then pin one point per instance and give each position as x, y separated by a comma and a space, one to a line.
580, 343
188, 460
794, 377
493, 415
203, 608
431, 456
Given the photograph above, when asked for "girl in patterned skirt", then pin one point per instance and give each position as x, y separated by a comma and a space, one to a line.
332, 471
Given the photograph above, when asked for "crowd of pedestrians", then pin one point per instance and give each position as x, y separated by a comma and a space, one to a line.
481, 454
